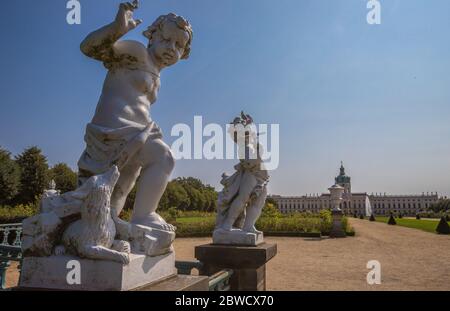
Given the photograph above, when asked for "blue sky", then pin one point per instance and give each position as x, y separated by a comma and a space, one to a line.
376, 97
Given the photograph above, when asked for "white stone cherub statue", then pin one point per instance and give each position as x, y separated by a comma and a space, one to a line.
122, 132
241, 201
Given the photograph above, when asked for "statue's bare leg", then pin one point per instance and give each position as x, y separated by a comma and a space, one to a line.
157, 165
127, 179
248, 183
254, 211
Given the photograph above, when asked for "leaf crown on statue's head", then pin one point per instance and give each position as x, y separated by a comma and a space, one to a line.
244, 119
180, 21
243, 127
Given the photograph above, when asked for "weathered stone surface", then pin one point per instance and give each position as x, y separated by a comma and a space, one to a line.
336, 230
244, 193
51, 273
237, 237
150, 241
39, 234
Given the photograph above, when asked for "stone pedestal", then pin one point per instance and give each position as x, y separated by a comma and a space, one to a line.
52, 273
237, 237
337, 231
248, 263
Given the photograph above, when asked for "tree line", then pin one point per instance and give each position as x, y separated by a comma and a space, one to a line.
24, 177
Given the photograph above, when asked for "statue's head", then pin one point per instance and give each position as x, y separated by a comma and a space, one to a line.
243, 129
170, 38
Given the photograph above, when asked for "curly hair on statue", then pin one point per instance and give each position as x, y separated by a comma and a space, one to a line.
179, 21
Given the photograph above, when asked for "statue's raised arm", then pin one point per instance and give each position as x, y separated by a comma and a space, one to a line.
99, 44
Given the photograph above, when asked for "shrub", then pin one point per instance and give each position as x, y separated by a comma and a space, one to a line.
350, 232
201, 228
270, 210
418, 216
443, 227
181, 214
203, 224
361, 216
298, 222
441, 205
391, 220
372, 218
430, 214
17, 213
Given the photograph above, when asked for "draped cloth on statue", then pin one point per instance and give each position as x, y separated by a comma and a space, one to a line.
106, 147
232, 184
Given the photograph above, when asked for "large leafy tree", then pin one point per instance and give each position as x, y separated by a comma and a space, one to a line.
64, 177
34, 175
186, 194
177, 196
202, 197
9, 177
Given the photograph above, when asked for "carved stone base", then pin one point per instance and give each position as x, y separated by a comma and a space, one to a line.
337, 231
53, 273
237, 237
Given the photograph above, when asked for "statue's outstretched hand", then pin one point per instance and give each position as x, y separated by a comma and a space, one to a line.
124, 18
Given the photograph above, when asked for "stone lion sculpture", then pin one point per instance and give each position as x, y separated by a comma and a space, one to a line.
93, 236
77, 223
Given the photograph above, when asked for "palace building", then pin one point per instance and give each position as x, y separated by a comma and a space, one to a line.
357, 202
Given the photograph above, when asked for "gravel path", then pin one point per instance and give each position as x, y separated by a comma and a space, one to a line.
410, 260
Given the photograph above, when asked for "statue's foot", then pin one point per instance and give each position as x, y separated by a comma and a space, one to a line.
252, 230
226, 228
156, 222
123, 258
121, 246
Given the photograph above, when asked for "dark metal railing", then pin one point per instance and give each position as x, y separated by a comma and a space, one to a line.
219, 281
10, 249
186, 267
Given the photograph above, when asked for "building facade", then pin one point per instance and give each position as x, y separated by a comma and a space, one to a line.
357, 203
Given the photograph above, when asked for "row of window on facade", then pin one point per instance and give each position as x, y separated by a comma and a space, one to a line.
399, 205
358, 205
321, 205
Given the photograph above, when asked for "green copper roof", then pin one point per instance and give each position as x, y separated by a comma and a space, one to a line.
342, 178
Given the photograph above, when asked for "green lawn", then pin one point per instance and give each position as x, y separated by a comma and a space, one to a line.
188, 220
428, 225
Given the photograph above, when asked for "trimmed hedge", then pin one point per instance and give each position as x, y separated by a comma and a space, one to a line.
392, 221
200, 224
443, 227
16, 214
